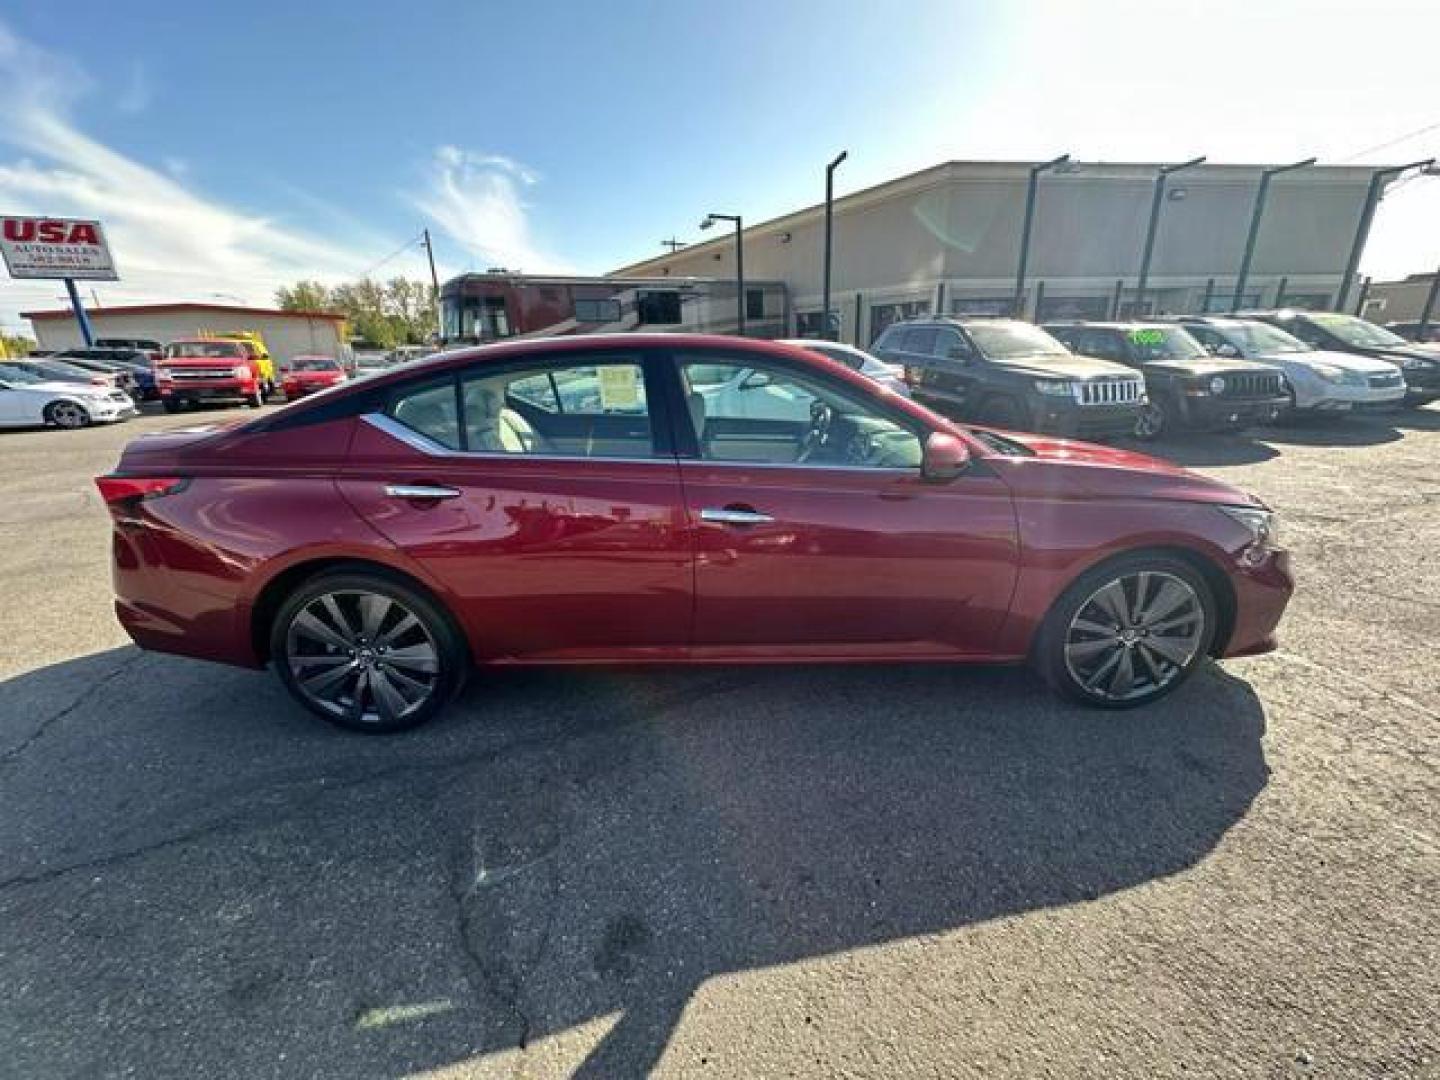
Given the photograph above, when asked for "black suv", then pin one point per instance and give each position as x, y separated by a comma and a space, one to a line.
1419, 363
1186, 386
1012, 375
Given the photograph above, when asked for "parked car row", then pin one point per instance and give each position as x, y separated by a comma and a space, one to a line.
1204, 373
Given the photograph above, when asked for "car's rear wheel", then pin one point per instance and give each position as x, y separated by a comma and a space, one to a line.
1127, 632
67, 414
367, 652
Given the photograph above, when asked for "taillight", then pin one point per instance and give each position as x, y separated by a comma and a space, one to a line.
118, 490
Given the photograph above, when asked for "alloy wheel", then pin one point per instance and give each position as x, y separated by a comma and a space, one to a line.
1135, 635
362, 657
67, 414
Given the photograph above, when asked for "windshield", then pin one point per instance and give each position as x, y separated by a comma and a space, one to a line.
1005, 339
1152, 343
206, 350
313, 363
17, 375
1355, 331
1260, 339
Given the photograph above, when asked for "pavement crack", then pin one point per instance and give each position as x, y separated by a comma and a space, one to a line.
82, 699
487, 966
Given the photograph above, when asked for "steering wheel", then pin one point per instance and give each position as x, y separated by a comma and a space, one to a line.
821, 416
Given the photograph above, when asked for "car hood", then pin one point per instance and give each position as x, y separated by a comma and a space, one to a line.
1364, 365
1065, 367
1204, 367
1404, 352
1069, 468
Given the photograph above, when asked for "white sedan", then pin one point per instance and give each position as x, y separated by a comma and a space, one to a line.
1321, 381
29, 401
887, 375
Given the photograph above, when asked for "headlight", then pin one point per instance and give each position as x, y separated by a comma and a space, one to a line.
1263, 524
1055, 387
1414, 363
1329, 372
1217, 385
241, 371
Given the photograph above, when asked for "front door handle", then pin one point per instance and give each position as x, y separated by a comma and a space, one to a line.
734, 515
421, 491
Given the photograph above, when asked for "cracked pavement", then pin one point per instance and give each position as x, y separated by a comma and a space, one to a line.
862, 871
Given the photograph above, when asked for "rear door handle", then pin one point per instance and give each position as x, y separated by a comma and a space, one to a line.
735, 516
421, 491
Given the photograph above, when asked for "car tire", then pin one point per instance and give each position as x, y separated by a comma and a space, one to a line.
256, 399
69, 415
1151, 421
1088, 652
171, 406
1002, 412
321, 628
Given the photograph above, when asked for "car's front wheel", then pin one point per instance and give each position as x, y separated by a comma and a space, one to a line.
67, 414
367, 652
1150, 421
1127, 632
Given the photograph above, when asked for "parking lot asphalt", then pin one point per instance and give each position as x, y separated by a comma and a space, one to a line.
914, 871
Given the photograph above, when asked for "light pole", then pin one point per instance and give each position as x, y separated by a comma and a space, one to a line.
1254, 233
1029, 219
1367, 217
1149, 249
710, 219
827, 333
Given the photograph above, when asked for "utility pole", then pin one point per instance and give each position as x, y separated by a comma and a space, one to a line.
1378, 180
434, 282
826, 332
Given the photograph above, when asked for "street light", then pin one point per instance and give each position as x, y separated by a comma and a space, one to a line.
1149, 249
1253, 235
1035, 171
829, 221
1367, 217
711, 219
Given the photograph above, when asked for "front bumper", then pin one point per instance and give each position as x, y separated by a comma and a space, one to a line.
207, 390
1219, 413
1063, 416
1262, 592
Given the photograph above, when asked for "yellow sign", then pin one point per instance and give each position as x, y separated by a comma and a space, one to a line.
619, 387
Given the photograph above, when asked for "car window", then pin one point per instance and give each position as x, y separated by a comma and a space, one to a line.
841, 356
1003, 338
922, 340
1104, 345
1356, 331
774, 414
898, 340
949, 344
1311, 335
1150, 344
430, 410
574, 410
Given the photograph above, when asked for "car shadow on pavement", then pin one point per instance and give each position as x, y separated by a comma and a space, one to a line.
198, 878
1202, 449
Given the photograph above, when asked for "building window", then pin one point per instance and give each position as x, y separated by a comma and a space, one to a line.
1222, 299
811, 324
1305, 301
658, 308
597, 311
754, 303
882, 315
980, 305
1074, 307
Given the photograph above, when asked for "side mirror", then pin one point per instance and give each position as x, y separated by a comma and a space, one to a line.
945, 457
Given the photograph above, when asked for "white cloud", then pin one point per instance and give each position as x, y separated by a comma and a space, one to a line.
136, 94
476, 199
169, 242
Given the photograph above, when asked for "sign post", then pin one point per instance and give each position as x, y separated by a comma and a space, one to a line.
65, 248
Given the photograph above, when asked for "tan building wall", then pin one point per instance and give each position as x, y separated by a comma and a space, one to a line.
286, 335
956, 227
1399, 301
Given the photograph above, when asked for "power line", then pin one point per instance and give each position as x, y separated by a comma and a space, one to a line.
1393, 142
412, 242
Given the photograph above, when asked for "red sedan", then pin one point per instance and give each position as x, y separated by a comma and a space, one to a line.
664, 499
306, 374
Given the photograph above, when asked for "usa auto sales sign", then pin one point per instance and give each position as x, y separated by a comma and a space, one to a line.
41, 247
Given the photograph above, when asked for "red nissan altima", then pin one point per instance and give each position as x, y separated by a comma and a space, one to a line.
669, 498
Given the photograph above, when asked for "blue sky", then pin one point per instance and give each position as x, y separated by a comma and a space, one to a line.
232, 147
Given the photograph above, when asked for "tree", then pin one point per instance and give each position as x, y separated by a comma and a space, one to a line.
14, 346
398, 312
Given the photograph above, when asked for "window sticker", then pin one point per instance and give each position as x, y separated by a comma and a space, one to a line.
1147, 337
619, 387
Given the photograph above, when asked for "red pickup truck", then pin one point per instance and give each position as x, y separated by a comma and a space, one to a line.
208, 369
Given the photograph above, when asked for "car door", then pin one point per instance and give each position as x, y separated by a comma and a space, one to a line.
15, 404
542, 497
955, 373
831, 544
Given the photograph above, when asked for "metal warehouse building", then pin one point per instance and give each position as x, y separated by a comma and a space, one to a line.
287, 333
948, 239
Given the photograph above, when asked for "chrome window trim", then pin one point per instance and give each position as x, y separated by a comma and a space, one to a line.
426, 445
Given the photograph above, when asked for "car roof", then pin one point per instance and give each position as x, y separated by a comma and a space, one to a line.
1109, 324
